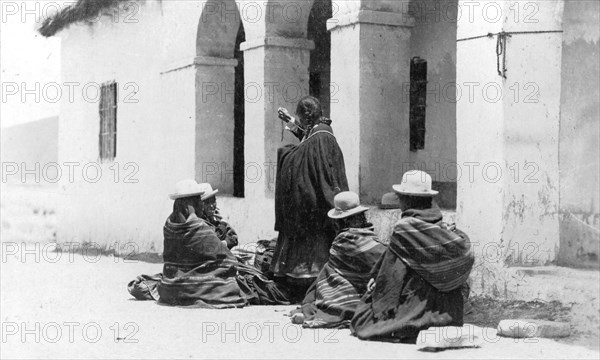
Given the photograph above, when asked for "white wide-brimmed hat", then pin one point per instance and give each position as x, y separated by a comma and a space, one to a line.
346, 204
415, 183
208, 191
187, 188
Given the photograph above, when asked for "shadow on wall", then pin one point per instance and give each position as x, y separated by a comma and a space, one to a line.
446, 199
580, 242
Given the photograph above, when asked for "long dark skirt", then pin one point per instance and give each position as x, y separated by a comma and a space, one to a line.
301, 256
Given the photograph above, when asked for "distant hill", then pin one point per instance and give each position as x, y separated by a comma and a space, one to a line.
30, 143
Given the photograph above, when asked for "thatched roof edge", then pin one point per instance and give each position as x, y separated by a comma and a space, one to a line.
83, 10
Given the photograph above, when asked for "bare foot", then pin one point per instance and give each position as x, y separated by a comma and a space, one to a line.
298, 318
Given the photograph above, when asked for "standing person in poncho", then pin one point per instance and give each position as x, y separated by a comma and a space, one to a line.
418, 282
308, 177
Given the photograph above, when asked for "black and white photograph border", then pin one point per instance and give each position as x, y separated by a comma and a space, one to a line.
300, 179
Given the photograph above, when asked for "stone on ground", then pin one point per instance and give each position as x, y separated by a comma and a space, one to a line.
528, 328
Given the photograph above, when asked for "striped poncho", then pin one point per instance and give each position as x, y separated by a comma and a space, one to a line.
418, 281
332, 298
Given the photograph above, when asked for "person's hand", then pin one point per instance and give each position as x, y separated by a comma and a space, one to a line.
285, 115
217, 217
291, 126
371, 285
449, 227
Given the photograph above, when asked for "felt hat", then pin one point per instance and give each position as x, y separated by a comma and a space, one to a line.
208, 191
415, 183
346, 204
390, 201
186, 188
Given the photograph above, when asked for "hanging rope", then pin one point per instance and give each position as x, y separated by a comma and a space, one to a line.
501, 51
501, 45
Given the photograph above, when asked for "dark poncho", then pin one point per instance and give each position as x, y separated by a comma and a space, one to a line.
332, 298
418, 280
200, 271
308, 177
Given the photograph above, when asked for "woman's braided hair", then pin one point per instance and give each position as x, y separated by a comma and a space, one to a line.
311, 105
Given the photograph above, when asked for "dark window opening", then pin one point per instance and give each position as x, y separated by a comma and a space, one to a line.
418, 103
239, 118
108, 121
315, 84
320, 57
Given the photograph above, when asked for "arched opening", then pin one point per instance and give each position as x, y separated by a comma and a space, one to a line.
238, 118
320, 57
220, 98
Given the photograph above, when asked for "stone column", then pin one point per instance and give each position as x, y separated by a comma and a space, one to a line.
507, 131
215, 87
276, 75
370, 64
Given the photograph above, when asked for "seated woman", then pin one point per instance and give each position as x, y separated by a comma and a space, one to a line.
418, 281
199, 269
332, 298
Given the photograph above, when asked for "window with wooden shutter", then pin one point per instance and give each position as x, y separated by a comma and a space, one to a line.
108, 121
418, 103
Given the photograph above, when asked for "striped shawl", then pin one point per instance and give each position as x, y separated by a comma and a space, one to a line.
332, 299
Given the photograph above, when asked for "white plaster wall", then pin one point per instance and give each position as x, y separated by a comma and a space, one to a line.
511, 217
579, 134
531, 136
155, 135
345, 56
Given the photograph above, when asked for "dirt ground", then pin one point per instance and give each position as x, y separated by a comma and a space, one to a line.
65, 305
77, 307
488, 312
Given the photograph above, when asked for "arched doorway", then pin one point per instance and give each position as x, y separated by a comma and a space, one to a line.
220, 98
320, 58
238, 117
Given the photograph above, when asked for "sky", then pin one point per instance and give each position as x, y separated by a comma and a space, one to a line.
28, 61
